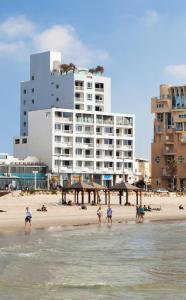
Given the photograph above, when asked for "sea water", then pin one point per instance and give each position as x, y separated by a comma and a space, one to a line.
122, 261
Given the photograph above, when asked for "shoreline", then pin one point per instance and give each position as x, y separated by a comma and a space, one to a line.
57, 226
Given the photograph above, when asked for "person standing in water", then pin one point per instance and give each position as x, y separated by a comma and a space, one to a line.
28, 216
99, 214
109, 214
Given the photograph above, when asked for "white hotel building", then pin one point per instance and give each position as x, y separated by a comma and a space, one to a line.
66, 122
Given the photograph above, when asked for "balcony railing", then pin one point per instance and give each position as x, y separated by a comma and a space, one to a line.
99, 89
79, 87
79, 99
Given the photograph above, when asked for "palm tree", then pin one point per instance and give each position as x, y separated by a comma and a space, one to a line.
64, 68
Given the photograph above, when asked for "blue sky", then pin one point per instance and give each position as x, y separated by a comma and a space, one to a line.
141, 44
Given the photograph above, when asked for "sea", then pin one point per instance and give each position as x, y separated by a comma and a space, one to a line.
122, 261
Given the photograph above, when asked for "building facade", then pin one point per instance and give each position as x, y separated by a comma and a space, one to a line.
169, 144
76, 135
50, 87
20, 174
143, 170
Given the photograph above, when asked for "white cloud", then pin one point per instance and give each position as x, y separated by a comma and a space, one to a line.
177, 71
65, 39
151, 17
19, 36
18, 26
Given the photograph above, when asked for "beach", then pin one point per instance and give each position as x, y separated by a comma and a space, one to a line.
60, 215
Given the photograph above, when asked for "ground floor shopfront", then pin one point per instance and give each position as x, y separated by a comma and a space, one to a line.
107, 180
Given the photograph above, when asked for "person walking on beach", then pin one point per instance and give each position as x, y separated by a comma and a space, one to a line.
99, 214
28, 216
109, 214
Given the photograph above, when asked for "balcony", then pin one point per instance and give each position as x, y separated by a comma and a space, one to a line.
67, 131
99, 90
66, 145
67, 120
85, 120
169, 152
79, 99
79, 88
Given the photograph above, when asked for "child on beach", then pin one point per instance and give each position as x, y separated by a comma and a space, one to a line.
28, 216
99, 214
109, 214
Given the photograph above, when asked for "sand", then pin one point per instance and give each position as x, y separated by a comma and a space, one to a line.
60, 215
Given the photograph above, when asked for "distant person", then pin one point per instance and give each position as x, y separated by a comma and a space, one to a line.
141, 213
28, 216
109, 214
99, 214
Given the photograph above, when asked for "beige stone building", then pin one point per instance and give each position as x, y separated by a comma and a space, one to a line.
143, 170
169, 144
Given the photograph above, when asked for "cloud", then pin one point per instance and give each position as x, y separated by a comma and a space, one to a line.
11, 48
18, 26
151, 17
177, 71
19, 36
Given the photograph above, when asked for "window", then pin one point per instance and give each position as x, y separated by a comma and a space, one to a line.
32, 90
87, 152
24, 91
24, 141
32, 101
58, 114
160, 117
57, 126
99, 86
17, 141
66, 127
57, 150
78, 128
57, 99
89, 97
57, 86
117, 130
24, 113
79, 151
79, 140
89, 107
57, 138
24, 124
160, 105
108, 130
77, 106
89, 85
32, 77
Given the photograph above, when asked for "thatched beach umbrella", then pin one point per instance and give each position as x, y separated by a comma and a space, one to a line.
76, 188
126, 187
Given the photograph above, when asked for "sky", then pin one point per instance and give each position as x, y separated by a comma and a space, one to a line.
140, 43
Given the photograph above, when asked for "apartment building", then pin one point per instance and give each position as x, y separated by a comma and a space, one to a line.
50, 87
77, 136
169, 144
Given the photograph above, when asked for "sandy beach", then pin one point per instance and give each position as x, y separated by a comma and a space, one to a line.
60, 215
